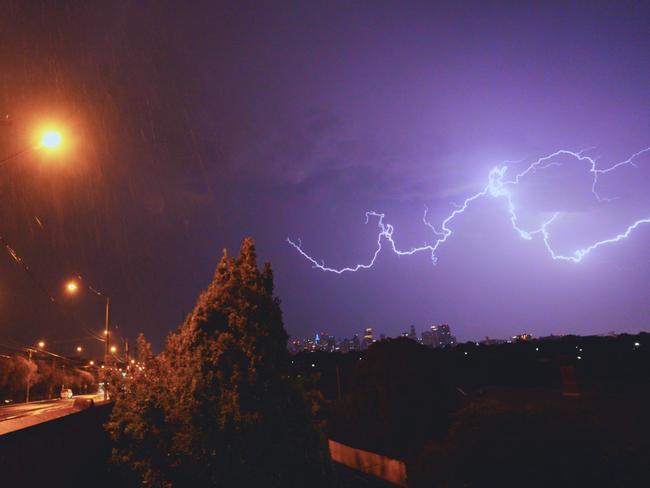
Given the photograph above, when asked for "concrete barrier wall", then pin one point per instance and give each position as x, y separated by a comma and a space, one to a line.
69, 451
376, 465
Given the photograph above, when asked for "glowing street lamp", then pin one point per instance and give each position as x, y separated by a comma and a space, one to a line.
50, 139
79, 349
113, 349
41, 344
72, 287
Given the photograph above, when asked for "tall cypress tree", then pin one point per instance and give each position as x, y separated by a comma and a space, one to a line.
217, 408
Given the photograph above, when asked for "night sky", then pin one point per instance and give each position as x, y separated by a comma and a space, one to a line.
190, 125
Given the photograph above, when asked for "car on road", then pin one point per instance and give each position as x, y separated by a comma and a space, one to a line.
66, 393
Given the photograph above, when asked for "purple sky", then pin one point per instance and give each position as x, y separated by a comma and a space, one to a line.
205, 123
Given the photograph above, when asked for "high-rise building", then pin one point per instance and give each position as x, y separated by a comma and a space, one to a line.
427, 338
412, 334
438, 336
367, 337
324, 339
441, 336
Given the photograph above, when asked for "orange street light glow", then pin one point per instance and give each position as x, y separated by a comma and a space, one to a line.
113, 349
72, 286
41, 344
91, 362
78, 348
51, 139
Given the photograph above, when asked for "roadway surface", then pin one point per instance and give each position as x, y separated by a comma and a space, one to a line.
21, 415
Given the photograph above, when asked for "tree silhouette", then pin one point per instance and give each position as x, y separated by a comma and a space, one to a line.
217, 408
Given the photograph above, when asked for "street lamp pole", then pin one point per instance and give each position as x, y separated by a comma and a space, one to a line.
29, 377
41, 345
107, 347
72, 287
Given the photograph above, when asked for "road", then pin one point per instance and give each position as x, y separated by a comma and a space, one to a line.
20, 415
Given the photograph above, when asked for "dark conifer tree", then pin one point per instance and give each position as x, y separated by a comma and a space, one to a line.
217, 407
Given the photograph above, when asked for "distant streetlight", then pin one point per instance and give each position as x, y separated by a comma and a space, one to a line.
79, 349
41, 344
91, 363
113, 349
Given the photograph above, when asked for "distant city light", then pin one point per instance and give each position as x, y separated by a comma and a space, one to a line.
579, 357
41, 344
79, 349
637, 344
91, 363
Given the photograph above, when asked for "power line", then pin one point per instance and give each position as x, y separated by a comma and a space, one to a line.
42, 288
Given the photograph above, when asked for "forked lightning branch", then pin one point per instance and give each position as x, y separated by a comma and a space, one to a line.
499, 185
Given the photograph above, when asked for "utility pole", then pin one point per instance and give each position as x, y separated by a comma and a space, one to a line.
72, 286
106, 349
53, 384
29, 378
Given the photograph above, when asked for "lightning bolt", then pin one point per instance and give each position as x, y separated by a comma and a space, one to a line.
497, 187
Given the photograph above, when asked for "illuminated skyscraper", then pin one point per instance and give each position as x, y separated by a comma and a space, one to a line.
367, 337
442, 336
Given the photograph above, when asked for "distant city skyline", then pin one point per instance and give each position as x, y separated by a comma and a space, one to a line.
435, 336
439, 335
